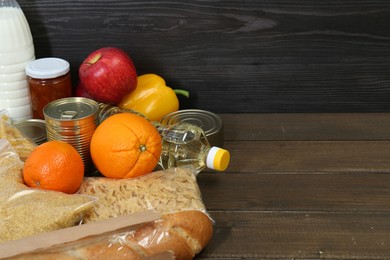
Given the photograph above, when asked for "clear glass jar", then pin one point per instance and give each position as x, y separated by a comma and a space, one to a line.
49, 79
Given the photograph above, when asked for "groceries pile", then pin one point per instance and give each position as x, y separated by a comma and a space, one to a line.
45, 187
110, 179
38, 223
139, 164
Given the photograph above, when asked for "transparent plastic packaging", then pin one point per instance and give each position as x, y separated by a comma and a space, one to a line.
103, 254
22, 145
27, 211
165, 191
172, 236
174, 193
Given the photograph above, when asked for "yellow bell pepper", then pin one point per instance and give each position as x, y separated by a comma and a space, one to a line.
152, 97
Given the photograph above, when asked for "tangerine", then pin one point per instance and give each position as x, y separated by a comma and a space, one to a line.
54, 165
125, 145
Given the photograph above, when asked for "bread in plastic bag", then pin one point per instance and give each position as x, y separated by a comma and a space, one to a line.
165, 191
185, 227
183, 234
28, 211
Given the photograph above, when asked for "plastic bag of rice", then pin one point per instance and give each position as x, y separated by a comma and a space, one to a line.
22, 145
26, 211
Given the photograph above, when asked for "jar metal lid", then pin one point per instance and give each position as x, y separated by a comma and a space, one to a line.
211, 124
35, 129
47, 68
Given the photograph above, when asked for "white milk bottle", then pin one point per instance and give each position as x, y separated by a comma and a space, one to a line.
16, 51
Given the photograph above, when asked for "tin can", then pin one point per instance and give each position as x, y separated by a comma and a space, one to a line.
211, 124
35, 129
73, 120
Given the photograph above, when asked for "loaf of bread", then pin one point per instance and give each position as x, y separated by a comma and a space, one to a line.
183, 233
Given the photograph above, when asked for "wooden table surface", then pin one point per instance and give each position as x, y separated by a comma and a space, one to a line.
301, 186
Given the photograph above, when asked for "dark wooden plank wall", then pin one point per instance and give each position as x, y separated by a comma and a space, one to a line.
235, 55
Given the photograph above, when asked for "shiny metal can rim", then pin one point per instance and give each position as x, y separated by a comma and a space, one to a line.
210, 123
207, 120
85, 107
35, 129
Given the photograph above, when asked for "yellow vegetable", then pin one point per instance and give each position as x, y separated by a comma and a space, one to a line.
152, 97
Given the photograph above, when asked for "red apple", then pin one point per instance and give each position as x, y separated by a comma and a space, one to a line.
108, 74
81, 92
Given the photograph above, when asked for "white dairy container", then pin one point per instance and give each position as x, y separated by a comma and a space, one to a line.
16, 51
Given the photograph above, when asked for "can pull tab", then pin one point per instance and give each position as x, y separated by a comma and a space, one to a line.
68, 115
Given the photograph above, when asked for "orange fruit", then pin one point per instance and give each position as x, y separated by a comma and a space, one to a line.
125, 145
54, 165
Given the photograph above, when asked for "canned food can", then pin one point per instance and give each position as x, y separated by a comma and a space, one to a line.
73, 120
35, 129
211, 124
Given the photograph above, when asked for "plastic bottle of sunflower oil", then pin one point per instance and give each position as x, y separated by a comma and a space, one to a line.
182, 144
187, 144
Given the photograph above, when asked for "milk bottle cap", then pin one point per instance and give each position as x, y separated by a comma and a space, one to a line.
218, 159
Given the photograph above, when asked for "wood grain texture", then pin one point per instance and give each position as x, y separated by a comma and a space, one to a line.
306, 127
235, 56
297, 191
299, 235
301, 186
309, 156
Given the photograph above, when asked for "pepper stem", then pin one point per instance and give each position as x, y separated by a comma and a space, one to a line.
182, 92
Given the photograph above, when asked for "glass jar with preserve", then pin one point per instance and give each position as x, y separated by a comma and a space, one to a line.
49, 79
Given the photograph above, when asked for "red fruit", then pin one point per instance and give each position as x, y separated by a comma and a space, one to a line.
108, 74
81, 92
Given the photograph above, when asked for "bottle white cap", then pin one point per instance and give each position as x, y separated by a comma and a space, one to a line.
47, 68
218, 159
